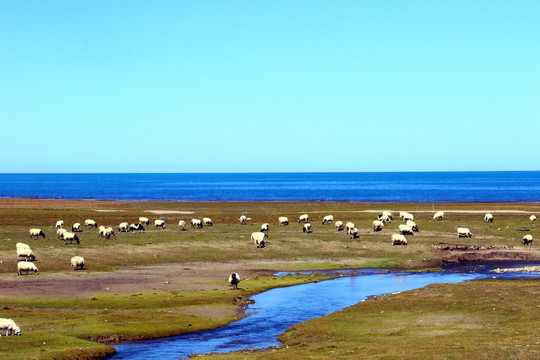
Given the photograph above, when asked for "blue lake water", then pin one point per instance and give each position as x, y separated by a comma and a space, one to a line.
513, 186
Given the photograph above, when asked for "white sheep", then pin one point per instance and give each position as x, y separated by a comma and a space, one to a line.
77, 262
405, 229
10, 327
408, 216
398, 239
36, 233
339, 225
234, 279
159, 223
258, 239
60, 224
264, 228
388, 214
488, 217
243, 219
283, 220
353, 233
307, 228
328, 219
196, 223
24, 252
349, 226
532, 218
464, 232
71, 237
76, 227
527, 240
26, 266
384, 218
90, 222
438, 216
123, 227
412, 224
144, 220
377, 225
106, 232
303, 218
136, 227
182, 225
60, 233
207, 221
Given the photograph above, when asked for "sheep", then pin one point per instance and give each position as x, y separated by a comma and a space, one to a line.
307, 228
76, 227
207, 221
264, 228
123, 227
412, 224
258, 239
234, 279
377, 225
349, 226
527, 240
405, 229
136, 227
243, 219
532, 218
438, 216
159, 223
328, 219
60, 233
26, 266
464, 232
388, 214
60, 224
10, 327
106, 232
90, 222
196, 223
353, 233
144, 220
182, 225
36, 233
398, 239
339, 225
77, 263
283, 220
24, 252
71, 237
488, 218
303, 218
408, 216
384, 218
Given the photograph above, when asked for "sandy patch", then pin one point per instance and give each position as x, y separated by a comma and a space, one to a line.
159, 212
107, 210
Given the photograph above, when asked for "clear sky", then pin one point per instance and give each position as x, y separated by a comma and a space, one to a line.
256, 86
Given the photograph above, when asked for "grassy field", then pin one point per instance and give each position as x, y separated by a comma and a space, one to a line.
59, 316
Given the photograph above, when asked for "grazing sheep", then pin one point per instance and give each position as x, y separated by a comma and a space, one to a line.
77, 262
60, 224
24, 252
144, 220
10, 327
339, 225
388, 214
349, 226
90, 222
207, 221
71, 237
398, 239
136, 227
377, 225
412, 224
159, 223
26, 266
234, 279
36, 233
283, 220
408, 216
405, 229
353, 233
328, 219
196, 223
264, 228
123, 227
303, 218
384, 218
76, 227
307, 228
464, 232
258, 239
243, 219
182, 225
527, 240
532, 218
438, 216
488, 218
60, 233
106, 232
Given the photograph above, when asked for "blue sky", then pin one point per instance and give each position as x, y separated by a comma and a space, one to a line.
255, 86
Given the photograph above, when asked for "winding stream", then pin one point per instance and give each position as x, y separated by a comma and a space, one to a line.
276, 310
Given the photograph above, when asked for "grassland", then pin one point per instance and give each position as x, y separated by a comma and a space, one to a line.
175, 282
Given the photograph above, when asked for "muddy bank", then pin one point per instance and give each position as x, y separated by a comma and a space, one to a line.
451, 254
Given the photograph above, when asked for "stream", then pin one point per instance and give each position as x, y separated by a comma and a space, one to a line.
278, 309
